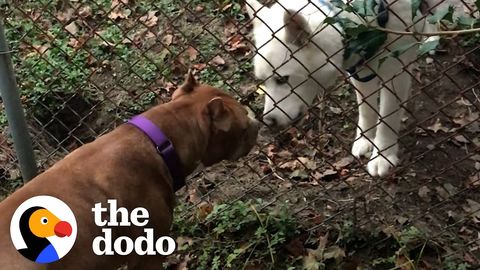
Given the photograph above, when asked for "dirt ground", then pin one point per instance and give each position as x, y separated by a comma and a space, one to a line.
308, 167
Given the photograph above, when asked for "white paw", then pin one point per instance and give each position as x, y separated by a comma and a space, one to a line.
362, 147
380, 165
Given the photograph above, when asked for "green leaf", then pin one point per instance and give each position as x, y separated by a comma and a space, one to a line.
364, 7
367, 43
467, 21
416, 6
477, 4
442, 14
341, 5
428, 46
396, 52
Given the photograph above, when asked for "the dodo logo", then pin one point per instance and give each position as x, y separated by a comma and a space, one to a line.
43, 229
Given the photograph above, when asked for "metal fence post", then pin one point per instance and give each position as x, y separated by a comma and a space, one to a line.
14, 111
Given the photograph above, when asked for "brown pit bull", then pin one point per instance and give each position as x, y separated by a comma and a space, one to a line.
204, 125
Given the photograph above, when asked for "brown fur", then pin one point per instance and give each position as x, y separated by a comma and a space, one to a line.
204, 124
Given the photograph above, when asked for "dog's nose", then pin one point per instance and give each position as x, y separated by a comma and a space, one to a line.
270, 121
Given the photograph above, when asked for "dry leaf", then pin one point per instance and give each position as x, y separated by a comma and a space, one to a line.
192, 53
199, 8
41, 48
72, 28
437, 126
85, 12
473, 209
401, 262
335, 110
117, 11
167, 39
327, 175
461, 139
342, 163
423, 192
217, 61
204, 209
474, 180
334, 252
65, 16
183, 242
442, 193
150, 19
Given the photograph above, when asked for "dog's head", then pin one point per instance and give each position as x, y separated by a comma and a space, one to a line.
287, 59
230, 131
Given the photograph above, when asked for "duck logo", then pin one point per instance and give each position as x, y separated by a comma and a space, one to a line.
43, 229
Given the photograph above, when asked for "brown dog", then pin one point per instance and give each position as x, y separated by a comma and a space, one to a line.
205, 126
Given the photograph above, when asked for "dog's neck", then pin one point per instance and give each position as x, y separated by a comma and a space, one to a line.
191, 143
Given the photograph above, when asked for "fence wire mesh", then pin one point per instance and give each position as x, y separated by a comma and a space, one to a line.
83, 67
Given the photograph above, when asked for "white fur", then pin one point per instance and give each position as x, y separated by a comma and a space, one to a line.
316, 66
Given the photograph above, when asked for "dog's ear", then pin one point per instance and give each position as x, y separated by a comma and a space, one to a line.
190, 82
297, 31
219, 115
253, 6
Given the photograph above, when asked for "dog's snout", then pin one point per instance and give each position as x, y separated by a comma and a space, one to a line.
270, 121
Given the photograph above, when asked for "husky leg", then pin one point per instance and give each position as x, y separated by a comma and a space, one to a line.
385, 152
367, 95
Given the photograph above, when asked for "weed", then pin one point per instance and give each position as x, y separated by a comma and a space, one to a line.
239, 234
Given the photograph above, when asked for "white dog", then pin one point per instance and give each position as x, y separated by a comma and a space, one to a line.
299, 55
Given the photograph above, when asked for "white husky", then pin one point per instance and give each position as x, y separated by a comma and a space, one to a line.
298, 56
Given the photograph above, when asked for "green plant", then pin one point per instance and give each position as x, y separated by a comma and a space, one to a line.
240, 233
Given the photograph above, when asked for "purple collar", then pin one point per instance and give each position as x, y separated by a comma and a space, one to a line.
164, 147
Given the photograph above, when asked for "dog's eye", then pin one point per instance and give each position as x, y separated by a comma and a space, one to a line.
282, 79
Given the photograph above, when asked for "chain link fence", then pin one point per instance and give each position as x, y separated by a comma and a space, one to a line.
84, 67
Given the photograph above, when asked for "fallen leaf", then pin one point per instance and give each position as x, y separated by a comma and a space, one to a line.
167, 40
307, 163
192, 53
450, 189
437, 126
183, 242
65, 16
41, 49
117, 10
227, 6
199, 8
401, 262
193, 196
72, 28
423, 192
150, 19
334, 252
204, 209
473, 209
327, 175
343, 162
466, 119
299, 175
217, 61
473, 181
335, 110
310, 262
401, 220
461, 139
85, 12
442, 193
